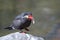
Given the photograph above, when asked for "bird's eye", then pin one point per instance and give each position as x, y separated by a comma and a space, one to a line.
25, 14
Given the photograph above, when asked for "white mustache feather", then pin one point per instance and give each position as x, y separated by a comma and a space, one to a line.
33, 21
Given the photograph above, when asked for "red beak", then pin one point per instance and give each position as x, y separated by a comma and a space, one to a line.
31, 17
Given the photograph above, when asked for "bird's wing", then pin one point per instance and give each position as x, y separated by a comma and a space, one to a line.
18, 23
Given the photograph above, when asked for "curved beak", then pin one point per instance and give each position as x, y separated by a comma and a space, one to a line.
31, 17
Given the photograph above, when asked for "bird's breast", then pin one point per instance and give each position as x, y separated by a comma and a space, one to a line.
25, 24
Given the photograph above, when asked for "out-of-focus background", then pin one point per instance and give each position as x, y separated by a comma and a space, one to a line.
45, 12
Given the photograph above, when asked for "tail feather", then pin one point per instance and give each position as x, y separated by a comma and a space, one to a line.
9, 28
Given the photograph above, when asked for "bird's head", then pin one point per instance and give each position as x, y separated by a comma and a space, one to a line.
28, 15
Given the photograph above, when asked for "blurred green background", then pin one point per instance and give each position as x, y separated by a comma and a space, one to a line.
45, 12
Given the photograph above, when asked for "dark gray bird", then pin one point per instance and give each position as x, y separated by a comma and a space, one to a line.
22, 21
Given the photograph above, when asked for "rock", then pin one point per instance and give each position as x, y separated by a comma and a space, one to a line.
20, 36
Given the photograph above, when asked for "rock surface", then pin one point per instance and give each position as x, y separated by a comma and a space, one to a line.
20, 36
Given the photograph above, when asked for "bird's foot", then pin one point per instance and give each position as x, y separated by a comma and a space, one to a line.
26, 29
23, 32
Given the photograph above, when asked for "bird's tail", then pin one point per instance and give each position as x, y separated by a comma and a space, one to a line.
9, 28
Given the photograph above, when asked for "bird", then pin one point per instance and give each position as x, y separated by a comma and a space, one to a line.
22, 21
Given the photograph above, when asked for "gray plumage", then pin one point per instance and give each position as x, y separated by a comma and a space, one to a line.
20, 22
